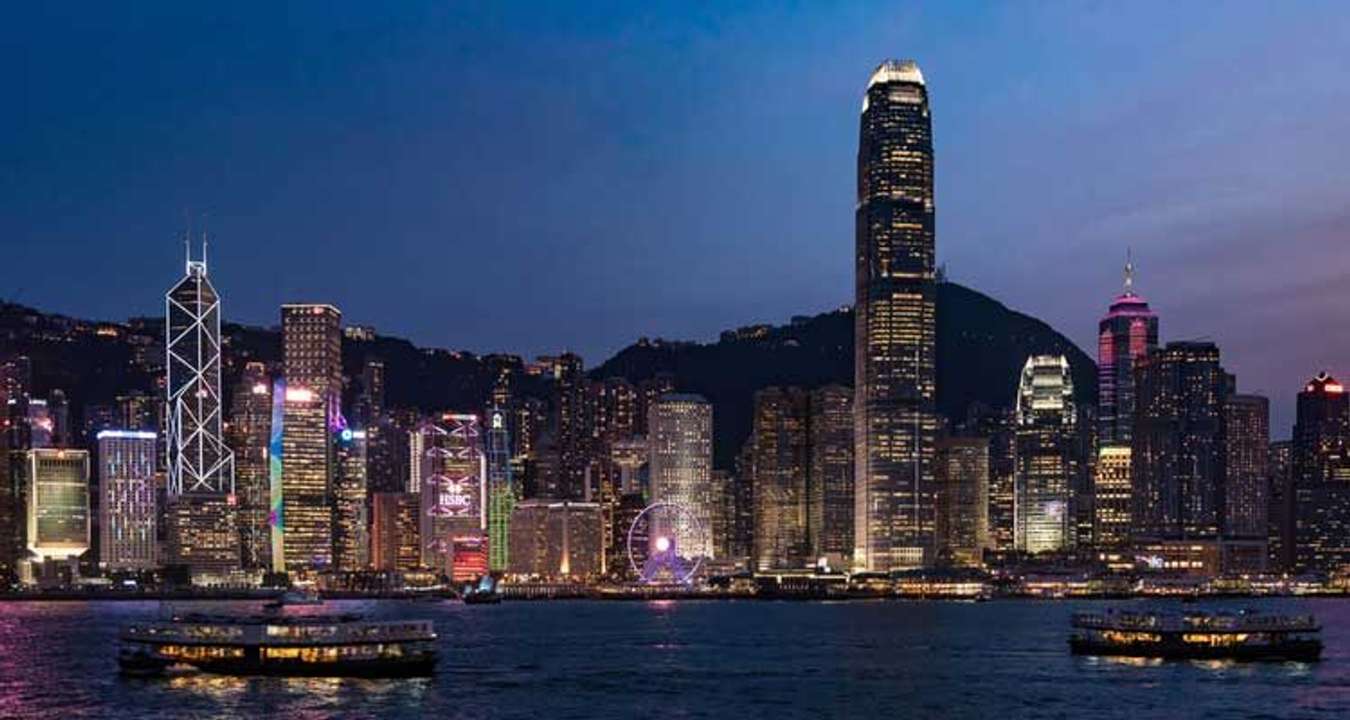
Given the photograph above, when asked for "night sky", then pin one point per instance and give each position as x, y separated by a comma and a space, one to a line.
494, 178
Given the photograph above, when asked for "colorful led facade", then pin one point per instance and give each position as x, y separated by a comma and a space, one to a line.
128, 512
895, 376
501, 491
1045, 452
1127, 334
276, 493
452, 479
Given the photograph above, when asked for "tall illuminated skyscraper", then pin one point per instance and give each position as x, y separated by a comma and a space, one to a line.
829, 514
395, 542
895, 378
1246, 491
1111, 497
56, 486
782, 460
501, 491
680, 427
312, 359
351, 538
128, 513
1321, 477
452, 483
1179, 450
1246, 488
248, 433
1126, 335
963, 500
1046, 453
1281, 535
201, 518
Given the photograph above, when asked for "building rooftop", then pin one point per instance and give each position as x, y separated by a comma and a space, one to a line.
684, 398
896, 71
1324, 383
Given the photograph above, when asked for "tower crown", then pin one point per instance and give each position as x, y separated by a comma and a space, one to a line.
1324, 383
896, 71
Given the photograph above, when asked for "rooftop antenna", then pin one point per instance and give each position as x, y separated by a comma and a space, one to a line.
187, 238
1129, 270
203, 243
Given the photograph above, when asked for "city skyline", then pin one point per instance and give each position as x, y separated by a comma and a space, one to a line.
1194, 199
533, 355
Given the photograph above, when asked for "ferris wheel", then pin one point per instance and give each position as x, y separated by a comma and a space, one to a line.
664, 543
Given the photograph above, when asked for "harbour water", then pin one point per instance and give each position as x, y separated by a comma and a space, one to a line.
694, 659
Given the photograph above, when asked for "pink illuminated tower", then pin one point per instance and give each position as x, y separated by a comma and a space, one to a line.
1127, 333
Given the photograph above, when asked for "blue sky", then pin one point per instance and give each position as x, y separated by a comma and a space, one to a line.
505, 177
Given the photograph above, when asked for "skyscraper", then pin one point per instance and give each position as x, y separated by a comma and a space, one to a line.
571, 433
395, 536
312, 364
1111, 497
351, 540
1246, 496
681, 468
128, 513
1281, 534
963, 500
1321, 476
999, 426
1179, 448
501, 491
895, 378
557, 540
1127, 334
782, 468
1245, 523
1046, 451
201, 518
452, 481
829, 512
370, 401
57, 507
249, 433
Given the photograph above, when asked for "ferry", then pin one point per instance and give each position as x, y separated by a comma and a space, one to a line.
1244, 635
313, 645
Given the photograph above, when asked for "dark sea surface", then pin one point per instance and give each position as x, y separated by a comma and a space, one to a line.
714, 659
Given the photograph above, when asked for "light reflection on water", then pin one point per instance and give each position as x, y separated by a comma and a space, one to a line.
670, 659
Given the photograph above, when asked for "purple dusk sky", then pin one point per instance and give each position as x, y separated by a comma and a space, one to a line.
498, 177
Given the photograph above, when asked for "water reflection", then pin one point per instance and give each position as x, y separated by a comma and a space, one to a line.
596, 660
